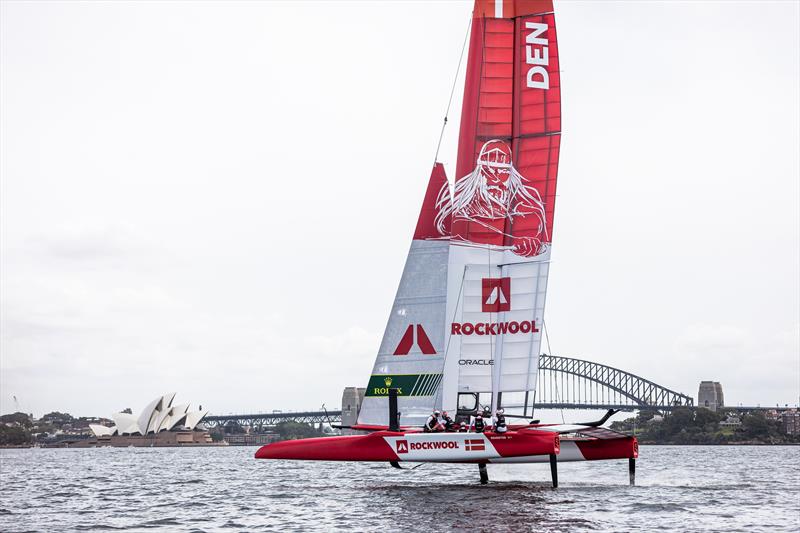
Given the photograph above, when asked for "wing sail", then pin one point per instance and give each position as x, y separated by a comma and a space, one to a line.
502, 211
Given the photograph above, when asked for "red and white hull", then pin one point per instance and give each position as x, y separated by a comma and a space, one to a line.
510, 447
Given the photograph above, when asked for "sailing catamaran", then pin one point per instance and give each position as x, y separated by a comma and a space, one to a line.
467, 321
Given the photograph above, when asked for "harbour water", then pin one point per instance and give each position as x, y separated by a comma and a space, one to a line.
679, 488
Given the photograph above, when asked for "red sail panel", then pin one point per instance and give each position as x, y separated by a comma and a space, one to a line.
510, 128
437, 195
537, 124
497, 80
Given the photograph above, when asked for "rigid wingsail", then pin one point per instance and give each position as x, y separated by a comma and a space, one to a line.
466, 325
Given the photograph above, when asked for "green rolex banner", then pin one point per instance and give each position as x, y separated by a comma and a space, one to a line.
406, 384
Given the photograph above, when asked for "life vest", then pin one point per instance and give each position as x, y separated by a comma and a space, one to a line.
431, 424
479, 425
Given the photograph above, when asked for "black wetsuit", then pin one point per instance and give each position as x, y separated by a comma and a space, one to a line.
500, 423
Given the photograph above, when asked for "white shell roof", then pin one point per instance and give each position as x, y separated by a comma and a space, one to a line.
158, 415
194, 418
126, 423
172, 416
102, 431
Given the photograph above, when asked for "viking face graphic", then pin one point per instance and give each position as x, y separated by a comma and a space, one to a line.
494, 163
493, 205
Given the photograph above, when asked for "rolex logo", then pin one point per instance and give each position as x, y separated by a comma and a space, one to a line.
388, 381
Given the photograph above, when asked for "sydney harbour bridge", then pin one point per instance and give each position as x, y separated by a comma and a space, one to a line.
563, 383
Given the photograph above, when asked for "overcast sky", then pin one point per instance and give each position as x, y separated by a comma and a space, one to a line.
217, 199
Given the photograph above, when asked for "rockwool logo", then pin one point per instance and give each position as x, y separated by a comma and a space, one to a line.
496, 295
406, 343
437, 445
402, 446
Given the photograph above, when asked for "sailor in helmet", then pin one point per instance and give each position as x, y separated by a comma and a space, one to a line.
478, 424
487, 418
449, 425
433, 423
500, 421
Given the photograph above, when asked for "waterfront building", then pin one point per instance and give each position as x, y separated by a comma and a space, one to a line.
732, 421
157, 416
159, 424
790, 421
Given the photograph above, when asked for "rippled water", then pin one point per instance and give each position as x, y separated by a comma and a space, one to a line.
681, 488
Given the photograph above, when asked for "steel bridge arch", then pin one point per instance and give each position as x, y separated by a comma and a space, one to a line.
640, 391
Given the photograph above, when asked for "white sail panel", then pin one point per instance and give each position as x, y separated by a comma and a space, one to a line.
496, 301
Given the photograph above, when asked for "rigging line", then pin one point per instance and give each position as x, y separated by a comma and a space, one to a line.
550, 351
452, 91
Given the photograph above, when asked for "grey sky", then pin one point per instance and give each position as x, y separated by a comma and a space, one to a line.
217, 199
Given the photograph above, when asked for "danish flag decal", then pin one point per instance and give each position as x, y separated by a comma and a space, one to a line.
407, 341
496, 294
475, 445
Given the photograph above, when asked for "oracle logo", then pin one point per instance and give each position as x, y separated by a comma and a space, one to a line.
495, 295
402, 446
407, 342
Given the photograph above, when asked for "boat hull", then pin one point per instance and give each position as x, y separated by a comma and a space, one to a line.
489, 447
416, 447
512, 446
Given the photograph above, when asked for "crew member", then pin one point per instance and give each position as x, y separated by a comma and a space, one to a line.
478, 425
448, 422
487, 418
433, 424
500, 422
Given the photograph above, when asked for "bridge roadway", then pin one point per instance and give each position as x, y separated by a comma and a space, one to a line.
265, 420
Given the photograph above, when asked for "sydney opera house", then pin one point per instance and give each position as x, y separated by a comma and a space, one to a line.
159, 424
